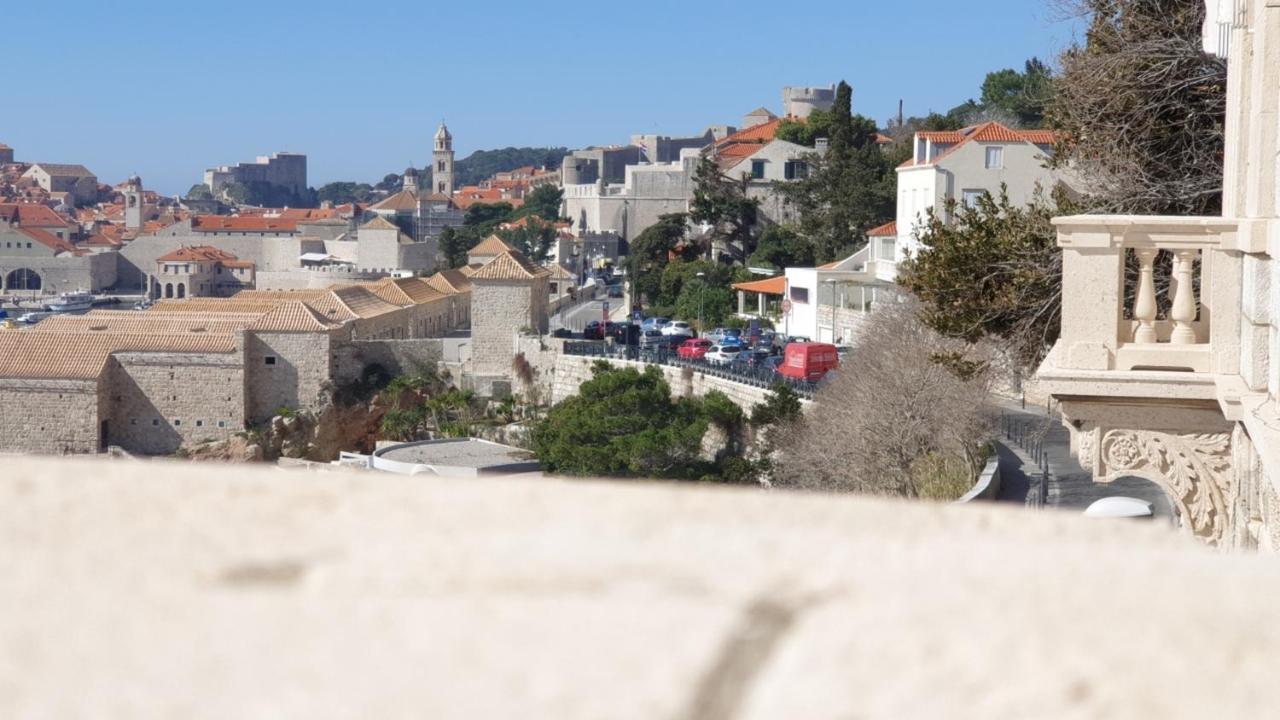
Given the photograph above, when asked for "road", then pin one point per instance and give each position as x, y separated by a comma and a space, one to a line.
577, 317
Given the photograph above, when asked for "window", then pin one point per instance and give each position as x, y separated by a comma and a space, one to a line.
155, 423
795, 169
222, 423
177, 422
199, 423
995, 157
971, 197
800, 295
269, 360
757, 169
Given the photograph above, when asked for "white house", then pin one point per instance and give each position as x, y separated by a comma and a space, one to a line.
963, 164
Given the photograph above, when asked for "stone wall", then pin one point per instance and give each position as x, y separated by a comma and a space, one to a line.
293, 370
500, 310
160, 402
64, 274
395, 356
49, 416
572, 370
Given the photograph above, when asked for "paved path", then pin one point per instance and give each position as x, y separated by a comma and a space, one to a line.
577, 317
1070, 486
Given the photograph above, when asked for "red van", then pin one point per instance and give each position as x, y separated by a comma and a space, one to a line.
808, 361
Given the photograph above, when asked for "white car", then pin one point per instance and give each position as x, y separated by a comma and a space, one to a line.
723, 354
677, 327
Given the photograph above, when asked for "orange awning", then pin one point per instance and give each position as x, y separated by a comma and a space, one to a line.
772, 286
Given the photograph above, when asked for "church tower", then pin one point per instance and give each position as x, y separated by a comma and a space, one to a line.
133, 204
442, 170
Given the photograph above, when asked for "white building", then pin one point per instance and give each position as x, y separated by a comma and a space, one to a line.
648, 192
961, 165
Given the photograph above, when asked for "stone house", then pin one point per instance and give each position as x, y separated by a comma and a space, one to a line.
77, 181
200, 271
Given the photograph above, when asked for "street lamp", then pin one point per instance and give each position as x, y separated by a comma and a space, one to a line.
702, 289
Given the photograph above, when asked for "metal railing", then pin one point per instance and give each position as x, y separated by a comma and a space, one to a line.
738, 371
1029, 435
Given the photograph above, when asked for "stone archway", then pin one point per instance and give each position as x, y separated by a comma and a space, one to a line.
23, 279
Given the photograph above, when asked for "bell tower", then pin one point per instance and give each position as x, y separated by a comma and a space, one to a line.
442, 166
133, 203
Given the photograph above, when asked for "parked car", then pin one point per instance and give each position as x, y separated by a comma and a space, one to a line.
624, 333
693, 349
733, 340
654, 323
593, 331
677, 328
771, 367
809, 361
562, 333
652, 338
723, 354
757, 358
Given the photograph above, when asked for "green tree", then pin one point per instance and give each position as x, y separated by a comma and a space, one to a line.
650, 253
722, 203
544, 202
339, 193
849, 190
487, 215
1021, 95
996, 270
781, 247
807, 131
454, 244
622, 422
534, 238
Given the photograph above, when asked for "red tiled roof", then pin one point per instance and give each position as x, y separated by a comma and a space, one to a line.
739, 150
986, 132
197, 253
889, 229
31, 215
48, 239
214, 223
762, 133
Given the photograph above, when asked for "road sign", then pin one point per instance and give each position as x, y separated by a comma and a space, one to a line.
605, 305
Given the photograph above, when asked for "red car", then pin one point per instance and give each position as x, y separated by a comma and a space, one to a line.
695, 349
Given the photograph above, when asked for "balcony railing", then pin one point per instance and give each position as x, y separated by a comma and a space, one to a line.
1147, 293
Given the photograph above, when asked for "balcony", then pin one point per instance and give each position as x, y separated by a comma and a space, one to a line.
1150, 306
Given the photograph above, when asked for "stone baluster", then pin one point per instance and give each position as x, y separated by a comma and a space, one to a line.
1183, 288
1144, 305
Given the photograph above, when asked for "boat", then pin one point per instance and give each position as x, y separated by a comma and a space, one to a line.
71, 302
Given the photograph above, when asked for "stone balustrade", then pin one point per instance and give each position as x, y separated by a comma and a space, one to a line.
1114, 317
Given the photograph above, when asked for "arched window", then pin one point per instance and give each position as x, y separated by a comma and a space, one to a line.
168, 290
23, 279
182, 290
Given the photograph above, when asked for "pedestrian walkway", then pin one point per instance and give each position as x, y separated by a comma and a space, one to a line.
1040, 442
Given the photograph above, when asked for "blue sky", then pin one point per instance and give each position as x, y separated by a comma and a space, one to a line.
167, 89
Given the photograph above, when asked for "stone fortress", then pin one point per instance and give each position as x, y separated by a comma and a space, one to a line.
284, 169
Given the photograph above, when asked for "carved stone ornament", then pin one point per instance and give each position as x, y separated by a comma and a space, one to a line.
1195, 470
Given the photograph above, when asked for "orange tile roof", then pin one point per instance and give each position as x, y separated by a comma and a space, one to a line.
510, 265
492, 245
83, 355
738, 151
889, 229
403, 201
987, 132
48, 239
759, 134
451, 282
31, 215
215, 223
293, 316
197, 253
404, 291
